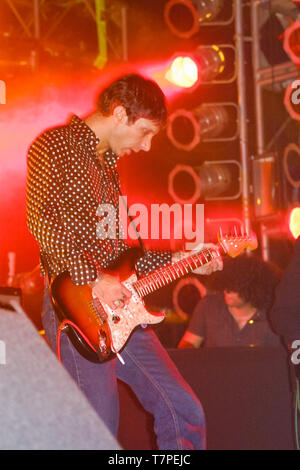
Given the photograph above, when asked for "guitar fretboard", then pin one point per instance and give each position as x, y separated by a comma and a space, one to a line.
167, 274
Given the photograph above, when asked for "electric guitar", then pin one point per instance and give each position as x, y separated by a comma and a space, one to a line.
97, 331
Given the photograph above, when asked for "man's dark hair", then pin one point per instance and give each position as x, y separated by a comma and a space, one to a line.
253, 279
141, 97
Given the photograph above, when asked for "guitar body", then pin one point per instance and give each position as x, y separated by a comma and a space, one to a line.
100, 332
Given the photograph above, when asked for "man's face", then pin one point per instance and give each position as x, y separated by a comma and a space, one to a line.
127, 138
233, 299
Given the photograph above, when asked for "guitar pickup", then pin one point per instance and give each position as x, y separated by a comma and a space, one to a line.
99, 310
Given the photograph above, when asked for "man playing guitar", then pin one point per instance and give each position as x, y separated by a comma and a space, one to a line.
71, 171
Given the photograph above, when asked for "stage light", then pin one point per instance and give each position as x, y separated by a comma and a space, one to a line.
291, 164
294, 222
210, 61
186, 128
213, 180
291, 42
201, 66
183, 72
183, 17
263, 176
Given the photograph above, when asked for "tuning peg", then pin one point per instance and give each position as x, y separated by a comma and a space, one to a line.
220, 233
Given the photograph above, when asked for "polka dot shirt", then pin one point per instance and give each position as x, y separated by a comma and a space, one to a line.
66, 183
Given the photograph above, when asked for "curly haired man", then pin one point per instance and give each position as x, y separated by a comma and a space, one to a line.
236, 313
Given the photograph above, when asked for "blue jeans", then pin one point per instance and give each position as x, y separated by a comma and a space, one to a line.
179, 421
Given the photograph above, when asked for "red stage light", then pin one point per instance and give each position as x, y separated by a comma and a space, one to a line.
291, 42
187, 184
186, 128
190, 70
291, 164
294, 221
183, 72
184, 17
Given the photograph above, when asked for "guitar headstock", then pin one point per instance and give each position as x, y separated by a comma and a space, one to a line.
234, 245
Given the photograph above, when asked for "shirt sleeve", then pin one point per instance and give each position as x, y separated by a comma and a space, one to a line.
152, 260
43, 191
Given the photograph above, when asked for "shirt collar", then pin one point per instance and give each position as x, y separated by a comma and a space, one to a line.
84, 133
110, 158
259, 315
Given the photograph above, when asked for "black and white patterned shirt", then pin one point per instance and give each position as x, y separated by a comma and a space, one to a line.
66, 183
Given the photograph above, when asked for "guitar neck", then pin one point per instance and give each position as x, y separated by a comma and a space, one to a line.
167, 274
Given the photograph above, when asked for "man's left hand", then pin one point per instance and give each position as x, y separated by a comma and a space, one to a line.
215, 265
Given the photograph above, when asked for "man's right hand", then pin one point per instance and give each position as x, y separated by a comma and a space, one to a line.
110, 291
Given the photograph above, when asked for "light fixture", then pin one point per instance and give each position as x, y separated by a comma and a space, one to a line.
183, 72
294, 221
291, 42
263, 176
213, 180
185, 129
203, 65
291, 164
184, 17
